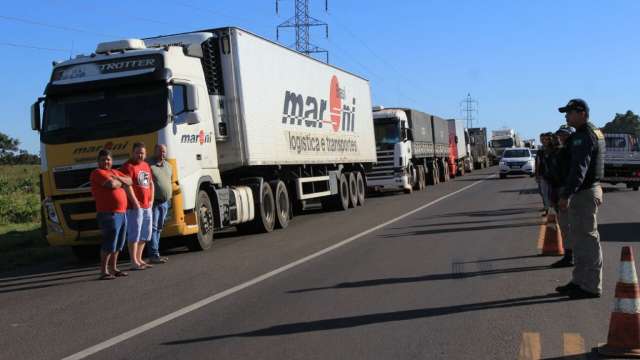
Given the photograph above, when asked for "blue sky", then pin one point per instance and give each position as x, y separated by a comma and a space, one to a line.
519, 59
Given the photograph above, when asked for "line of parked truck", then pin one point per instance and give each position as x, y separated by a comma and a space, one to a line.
255, 133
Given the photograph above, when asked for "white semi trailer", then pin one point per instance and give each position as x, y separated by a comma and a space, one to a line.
254, 131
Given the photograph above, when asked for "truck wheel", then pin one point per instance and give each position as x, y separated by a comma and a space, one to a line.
635, 187
265, 219
436, 173
204, 215
282, 201
361, 188
339, 201
503, 176
421, 181
353, 189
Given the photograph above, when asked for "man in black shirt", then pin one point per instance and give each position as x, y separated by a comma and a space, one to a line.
581, 195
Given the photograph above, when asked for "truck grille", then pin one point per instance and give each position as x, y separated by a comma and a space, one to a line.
72, 179
383, 169
85, 207
516, 163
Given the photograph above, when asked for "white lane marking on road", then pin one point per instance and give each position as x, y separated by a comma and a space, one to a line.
206, 301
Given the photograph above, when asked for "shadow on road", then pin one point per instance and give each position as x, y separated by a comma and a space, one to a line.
531, 191
432, 277
586, 356
377, 318
450, 230
497, 212
622, 232
460, 223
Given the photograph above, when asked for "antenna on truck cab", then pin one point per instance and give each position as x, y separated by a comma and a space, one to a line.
302, 21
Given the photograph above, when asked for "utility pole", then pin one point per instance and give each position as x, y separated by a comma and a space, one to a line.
302, 21
469, 110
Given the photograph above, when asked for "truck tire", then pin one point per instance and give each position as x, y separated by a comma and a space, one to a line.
265, 220
421, 181
204, 216
436, 173
362, 189
339, 201
503, 176
635, 187
353, 189
282, 202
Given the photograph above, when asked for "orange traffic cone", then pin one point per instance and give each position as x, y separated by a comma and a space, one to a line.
552, 239
624, 327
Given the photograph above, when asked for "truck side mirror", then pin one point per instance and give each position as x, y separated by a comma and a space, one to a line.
36, 119
192, 98
456, 138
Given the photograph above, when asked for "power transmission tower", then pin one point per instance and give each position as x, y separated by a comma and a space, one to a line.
302, 21
469, 110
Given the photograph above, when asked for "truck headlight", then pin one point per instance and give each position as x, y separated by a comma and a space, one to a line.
50, 211
503, 163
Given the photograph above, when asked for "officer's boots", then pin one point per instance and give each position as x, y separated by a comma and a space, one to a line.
566, 261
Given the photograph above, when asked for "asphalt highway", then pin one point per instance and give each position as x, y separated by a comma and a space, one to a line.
451, 272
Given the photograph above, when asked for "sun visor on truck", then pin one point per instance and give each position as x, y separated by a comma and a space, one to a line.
121, 70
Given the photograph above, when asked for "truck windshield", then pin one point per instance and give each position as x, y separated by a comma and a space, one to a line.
516, 154
387, 131
502, 143
99, 114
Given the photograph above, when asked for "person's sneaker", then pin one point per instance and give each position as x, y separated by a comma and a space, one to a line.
566, 261
564, 289
158, 260
578, 293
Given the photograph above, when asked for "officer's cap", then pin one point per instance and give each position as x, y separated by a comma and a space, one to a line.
575, 104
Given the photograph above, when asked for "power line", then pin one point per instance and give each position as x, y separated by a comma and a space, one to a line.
350, 58
32, 47
54, 26
374, 53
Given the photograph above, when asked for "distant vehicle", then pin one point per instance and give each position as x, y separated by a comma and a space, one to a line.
622, 160
529, 143
517, 161
412, 148
504, 139
479, 147
459, 148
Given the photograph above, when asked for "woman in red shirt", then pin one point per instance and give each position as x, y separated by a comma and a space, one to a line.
108, 189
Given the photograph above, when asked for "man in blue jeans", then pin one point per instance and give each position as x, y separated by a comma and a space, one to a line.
162, 177
107, 187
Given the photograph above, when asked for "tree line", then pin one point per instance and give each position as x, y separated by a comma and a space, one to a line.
628, 123
11, 154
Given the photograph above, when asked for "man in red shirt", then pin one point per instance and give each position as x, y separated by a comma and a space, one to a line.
139, 213
107, 187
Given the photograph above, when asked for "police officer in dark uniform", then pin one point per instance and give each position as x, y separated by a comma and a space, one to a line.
559, 171
581, 195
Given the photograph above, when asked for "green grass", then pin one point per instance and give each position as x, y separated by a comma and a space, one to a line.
19, 194
22, 245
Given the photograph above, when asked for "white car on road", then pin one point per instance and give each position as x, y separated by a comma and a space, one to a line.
517, 161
